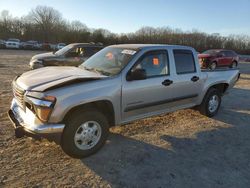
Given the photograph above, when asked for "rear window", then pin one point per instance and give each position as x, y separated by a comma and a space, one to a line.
230, 53
89, 51
210, 52
184, 61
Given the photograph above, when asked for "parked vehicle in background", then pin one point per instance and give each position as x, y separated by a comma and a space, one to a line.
2, 44
13, 43
46, 46
71, 55
30, 45
53, 47
60, 46
245, 58
218, 58
117, 85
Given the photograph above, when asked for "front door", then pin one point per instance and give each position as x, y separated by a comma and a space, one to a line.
152, 94
74, 57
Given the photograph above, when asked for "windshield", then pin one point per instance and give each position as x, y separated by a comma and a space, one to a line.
63, 50
109, 61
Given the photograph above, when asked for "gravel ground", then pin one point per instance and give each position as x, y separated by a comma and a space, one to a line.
181, 149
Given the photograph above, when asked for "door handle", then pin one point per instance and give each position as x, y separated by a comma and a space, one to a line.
195, 78
167, 82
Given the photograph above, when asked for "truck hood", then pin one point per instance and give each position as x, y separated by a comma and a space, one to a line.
44, 55
49, 77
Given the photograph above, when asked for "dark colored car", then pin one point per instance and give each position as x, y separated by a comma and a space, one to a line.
71, 55
218, 58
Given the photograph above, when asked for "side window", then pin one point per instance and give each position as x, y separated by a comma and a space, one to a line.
184, 61
229, 53
75, 52
154, 63
80, 51
234, 53
222, 54
89, 51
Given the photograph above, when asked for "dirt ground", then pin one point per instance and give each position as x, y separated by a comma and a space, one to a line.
181, 149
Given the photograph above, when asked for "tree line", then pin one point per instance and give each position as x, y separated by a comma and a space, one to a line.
45, 24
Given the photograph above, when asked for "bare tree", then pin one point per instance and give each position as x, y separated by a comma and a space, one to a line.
46, 20
46, 24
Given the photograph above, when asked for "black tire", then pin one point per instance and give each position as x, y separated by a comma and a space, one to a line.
234, 64
213, 65
73, 124
204, 106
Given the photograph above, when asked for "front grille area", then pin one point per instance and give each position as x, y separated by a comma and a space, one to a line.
18, 94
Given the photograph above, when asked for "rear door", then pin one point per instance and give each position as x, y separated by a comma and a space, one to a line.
187, 82
222, 59
229, 58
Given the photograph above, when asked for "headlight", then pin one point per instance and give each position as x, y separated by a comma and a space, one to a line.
37, 61
42, 107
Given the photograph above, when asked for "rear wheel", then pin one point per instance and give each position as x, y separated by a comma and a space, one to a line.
234, 64
213, 65
85, 133
211, 103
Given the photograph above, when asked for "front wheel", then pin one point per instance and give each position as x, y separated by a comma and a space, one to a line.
211, 103
85, 133
213, 66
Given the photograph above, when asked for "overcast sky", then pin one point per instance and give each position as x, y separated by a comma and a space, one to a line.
121, 16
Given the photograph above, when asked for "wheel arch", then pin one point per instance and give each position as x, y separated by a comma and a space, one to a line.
235, 62
222, 87
104, 106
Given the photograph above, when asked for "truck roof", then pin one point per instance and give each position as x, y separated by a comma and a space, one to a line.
140, 46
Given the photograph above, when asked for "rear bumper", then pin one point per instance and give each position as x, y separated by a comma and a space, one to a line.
51, 132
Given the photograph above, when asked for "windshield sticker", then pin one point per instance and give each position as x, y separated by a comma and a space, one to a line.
129, 52
155, 61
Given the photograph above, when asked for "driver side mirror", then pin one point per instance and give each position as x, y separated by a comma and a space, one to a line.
137, 74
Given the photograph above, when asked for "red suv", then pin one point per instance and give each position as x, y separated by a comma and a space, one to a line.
218, 58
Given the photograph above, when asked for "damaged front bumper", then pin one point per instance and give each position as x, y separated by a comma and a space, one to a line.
26, 123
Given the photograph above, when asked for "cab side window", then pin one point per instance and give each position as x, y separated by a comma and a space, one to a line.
229, 54
184, 61
89, 51
154, 63
76, 52
222, 54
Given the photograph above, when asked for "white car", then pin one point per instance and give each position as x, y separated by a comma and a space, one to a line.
13, 43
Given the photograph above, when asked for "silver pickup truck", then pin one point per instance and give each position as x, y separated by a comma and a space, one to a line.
75, 106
